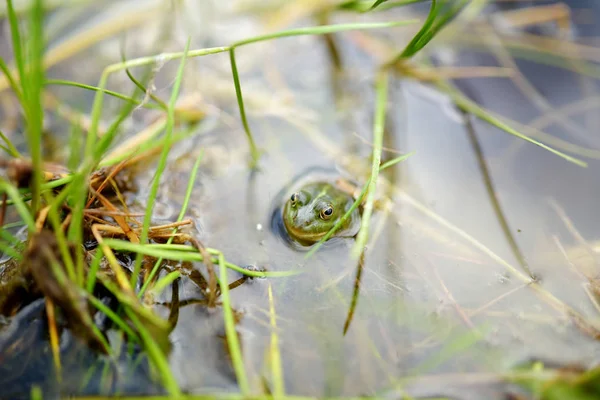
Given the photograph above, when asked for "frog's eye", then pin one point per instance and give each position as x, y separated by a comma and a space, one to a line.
327, 212
294, 198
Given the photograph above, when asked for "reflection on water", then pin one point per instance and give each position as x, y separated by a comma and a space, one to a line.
442, 290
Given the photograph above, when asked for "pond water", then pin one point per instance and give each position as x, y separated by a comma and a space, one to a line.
445, 296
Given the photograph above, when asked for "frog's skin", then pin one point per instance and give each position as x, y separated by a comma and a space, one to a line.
311, 211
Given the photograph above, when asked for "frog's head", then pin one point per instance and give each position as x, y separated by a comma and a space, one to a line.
313, 210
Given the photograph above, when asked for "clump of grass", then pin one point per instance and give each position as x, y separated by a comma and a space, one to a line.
65, 282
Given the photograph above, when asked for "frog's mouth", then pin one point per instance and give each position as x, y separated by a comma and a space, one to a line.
307, 237
296, 238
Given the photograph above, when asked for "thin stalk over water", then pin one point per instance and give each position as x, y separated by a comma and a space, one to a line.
381, 88
489, 187
162, 163
231, 333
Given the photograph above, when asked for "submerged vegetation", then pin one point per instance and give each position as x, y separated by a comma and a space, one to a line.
76, 253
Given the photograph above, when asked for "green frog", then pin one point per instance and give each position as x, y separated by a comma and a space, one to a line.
314, 208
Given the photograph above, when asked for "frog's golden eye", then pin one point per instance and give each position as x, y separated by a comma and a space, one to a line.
327, 212
294, 198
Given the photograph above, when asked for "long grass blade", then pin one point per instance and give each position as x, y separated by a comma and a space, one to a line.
381, 89
186, 201
9, 250
276, 368
31, 75
471, 107
378, 3
19, 204
16, 39
363, 6
113, 317
161, 104
63, 82
233, 342
10, 148
254, 153
11, 81
433, 24
156, 355
322, 30
188, 253
162, 283
412, 47
162, 163
93, 272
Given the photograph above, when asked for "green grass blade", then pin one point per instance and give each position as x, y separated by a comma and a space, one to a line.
161, 104
6, 149
368, 5
162, 163
94, 267
471, 107
254, 153
186, 201
26, 195
187, 253
56, 222
11, 81
412, 46
156, 355
276, 368
190, 187
165, 281
395, 161
322, 30
442, 22
232, 336
13, 225
57, 183
377, 4
62, 82
36, 393
430, 28
31, 76
19, 204
10, 148
9, 237
113, 317
16, 40
8, 248
381, 88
